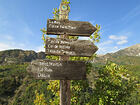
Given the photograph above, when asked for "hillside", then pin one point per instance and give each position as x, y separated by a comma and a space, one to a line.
17, 56
17, 89
130, 51
13, 75
129, 57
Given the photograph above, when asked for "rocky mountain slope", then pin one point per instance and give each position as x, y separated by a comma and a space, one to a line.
130, 55
19, 56
130, 51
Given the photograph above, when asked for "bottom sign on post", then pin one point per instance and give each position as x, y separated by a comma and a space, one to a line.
57, 70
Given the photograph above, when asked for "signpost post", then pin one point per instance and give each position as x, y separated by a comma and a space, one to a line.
64, 84
64, 70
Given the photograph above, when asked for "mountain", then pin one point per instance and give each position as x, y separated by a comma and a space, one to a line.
130, 52
19, 56
129, 57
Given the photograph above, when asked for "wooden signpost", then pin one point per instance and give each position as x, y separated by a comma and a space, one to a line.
61, 46
74, 28
64, 70
57, 70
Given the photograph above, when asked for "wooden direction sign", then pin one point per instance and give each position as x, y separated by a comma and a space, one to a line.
61, 46
74, 28
57, 70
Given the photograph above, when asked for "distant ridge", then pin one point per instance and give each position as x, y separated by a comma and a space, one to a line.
130, 51
127, 56
19, 56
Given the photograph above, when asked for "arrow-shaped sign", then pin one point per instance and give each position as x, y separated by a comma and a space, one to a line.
60, 46
74, 28
57, 70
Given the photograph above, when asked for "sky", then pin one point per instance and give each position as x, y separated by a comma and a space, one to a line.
21, 21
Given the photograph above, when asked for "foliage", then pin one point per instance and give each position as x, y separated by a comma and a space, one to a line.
50, 99
135, 98
32, 92
11, 77
40, 100
135, 69
96, 35
44, 31
114, 85
53, 57
66, 1
54, 87
56, 13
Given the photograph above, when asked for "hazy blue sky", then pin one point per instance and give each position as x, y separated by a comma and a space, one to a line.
21, 21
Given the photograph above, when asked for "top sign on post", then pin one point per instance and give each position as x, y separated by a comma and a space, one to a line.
73, 28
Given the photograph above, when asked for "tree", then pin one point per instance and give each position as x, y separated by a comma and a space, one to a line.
113, 85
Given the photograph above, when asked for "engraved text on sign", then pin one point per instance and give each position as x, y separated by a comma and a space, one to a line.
60, 46
57, 70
